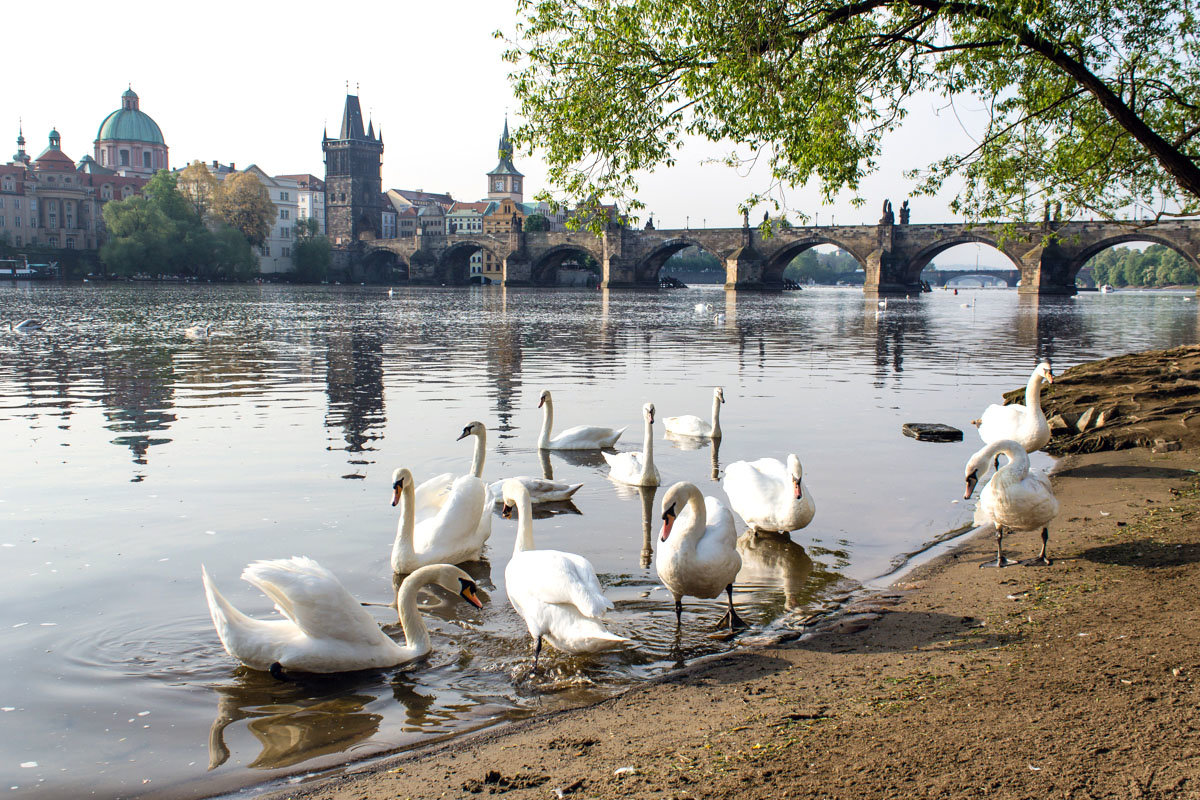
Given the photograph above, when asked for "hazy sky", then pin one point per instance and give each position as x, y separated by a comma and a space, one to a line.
256, 83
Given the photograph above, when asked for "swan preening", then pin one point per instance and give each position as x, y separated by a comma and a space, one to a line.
1025, 424
691, 425
637, 468
26, 326
581, 437
768, 495
1015, 499
697, 552
433, 494
541, 490
325, 629
451, 534
556, 593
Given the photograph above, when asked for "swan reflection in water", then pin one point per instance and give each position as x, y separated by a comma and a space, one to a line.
773, 559
582, 458
695, 443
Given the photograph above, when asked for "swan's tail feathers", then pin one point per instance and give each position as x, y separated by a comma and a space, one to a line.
224, 615
575, 487
617, 435
611, 458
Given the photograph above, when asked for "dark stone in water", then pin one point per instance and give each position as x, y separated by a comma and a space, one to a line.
932, 432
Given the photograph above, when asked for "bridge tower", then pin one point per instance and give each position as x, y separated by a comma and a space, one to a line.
353, 180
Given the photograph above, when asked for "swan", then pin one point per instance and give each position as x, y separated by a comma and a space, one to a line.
433, 493
556, 593
637, 468
702, 308
540, 490
768, 495
719, 319
691, 425
26, 326
1025, 424
326, 629
701, 558
581, 437
1014, 499
451, 535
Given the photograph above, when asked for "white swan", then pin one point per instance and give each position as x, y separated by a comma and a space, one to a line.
768, 495
581, 437
198, 332
326, 629
1025, 424
540, 490
1014, 499
637, 468
556, 593
691, 425
26, 326
433, 493
451, 535
702, 308
697, 554
719, 319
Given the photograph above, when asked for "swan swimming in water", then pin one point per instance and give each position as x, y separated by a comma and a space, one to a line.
581, 437
433, 493
691, 425
697, 552
450, 535
1015, 499
768, 495
634, 468
1025, 424
556, 593
26, 326
326, 629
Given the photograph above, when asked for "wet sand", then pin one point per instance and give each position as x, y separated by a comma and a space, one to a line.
1077, 680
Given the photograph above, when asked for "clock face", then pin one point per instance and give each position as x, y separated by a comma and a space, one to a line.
499, 186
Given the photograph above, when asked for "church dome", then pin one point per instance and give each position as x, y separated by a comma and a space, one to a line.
129, 124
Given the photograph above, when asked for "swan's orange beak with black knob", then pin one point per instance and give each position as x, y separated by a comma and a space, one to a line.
506, 511
469, 593
397, 487
668, 518
796, 487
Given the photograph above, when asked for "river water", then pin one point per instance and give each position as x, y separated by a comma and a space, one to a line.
133, 454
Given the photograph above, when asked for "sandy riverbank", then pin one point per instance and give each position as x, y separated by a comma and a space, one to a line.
1076, 681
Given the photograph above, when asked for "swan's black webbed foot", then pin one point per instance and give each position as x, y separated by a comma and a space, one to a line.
998, 562
1040, 561
277, 673
731, 620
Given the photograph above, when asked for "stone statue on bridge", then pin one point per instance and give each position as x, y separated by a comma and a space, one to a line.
650, 223
888, 217
904, 213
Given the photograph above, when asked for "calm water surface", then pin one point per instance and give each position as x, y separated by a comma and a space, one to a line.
132, 455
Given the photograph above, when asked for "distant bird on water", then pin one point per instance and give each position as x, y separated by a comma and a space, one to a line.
26, 326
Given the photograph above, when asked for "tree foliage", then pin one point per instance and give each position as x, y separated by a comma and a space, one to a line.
1090, 103
1157, 265
536, 222
827, 268
242, 202
312, 253
198, 186
160, 233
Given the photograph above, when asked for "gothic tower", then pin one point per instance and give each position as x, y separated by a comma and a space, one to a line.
353, 184
504, 181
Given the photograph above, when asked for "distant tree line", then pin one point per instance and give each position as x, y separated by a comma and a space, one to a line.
1157, 265
827, 268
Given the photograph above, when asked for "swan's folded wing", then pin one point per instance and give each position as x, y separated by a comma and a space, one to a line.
559, 577
1001, 422
431, 495
456, 524
313, 598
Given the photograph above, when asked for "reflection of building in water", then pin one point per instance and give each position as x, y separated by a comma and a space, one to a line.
354, 385
504, 369
1041, 321
893, 326
138, 397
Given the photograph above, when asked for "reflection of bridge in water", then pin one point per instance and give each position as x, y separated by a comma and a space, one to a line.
1046, 256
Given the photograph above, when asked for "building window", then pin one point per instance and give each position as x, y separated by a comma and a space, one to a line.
70, 242
8, 184
283, 195
1, 222
283, 213
17, 224
287, 252
106, 192
17, 203
53, 241
266, 250
124, 158
66, 180
146, 159
18, 238
103, 157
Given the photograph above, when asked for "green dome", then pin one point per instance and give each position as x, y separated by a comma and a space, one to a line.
130, 125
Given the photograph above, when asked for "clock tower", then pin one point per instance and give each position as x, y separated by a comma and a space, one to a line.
504, 182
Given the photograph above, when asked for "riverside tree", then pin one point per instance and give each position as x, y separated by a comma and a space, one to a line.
1088, 103
244, 203
311, 252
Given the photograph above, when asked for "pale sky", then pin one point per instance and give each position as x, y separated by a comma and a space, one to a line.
256, 83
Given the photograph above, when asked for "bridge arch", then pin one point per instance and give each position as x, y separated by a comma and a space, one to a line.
1086, 254
454, 263
922, 258
384, 266
777, 261
650, 267
544, 270
984, 278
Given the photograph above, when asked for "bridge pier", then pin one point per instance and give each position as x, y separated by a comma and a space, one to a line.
1045, 270
744, 268
516, 271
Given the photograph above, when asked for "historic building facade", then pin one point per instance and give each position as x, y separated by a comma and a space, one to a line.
353, 180
129, 141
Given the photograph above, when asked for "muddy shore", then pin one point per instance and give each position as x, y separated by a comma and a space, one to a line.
1077, 680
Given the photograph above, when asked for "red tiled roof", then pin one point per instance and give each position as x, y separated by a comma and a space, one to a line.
52, 159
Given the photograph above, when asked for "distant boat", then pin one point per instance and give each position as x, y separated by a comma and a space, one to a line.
1105, 289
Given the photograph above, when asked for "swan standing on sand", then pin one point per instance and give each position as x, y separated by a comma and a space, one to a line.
581, 437
433, 493
697, 553
637, 468
691, 425
1014, 499
26, 326
452, 535
326, 629
556, 593
1025, 424
768, 495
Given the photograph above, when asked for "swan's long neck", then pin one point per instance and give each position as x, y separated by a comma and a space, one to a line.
716, 418
416, 635
1033, 392
524, 523
480, 454
402, 548
689, 537
547, 423
647, 448
1017, 468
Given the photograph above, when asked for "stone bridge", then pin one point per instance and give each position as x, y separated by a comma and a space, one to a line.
941, 277
1047, 255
